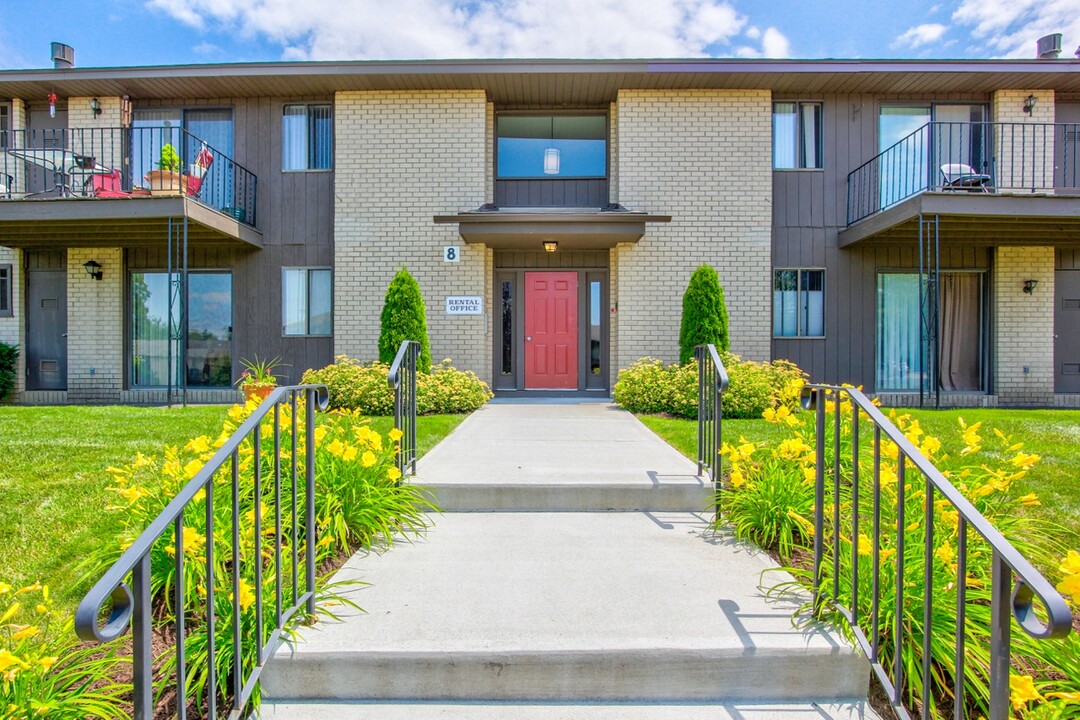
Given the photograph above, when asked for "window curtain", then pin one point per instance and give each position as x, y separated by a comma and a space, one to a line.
899, 364
813, 305
322, 134
214, 127
810, 120
785, 135
903, 168
785, 304
960, 328
294, 138
150, 131
294, 306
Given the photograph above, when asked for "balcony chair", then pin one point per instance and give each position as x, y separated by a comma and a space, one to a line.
6, 182
107, 185
958, 176
198, 171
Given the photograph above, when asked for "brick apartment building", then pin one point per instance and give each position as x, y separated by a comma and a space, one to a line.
910, 226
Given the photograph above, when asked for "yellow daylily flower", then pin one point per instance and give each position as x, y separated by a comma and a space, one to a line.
368, 459
866, 545
946, 554
1066, 696
48, 662
192, 469
4, 588
393, 473
737, 478
1070, 586
395, 434
336, 448
9, 660
247, 595
1024, 460
1070, 565
28, 631
1030, 499
200, 444
1022, 688
10, 613
41, 609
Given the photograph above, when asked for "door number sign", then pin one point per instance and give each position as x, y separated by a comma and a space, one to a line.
451, 253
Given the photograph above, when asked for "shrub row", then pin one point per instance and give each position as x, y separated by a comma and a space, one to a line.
648, 386
363, 388
9, 355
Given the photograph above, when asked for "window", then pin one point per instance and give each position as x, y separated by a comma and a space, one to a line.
796, 135
546, 146
798, 303
5, 291
307, 137
5, 125
151, 129
154, 335
307, 301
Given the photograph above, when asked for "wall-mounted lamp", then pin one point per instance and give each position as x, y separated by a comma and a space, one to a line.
551, 161
95, 106
551, 246
1029, 103
93, 269
1029, 286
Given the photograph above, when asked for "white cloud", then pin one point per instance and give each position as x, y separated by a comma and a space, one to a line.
206, 48
920, 35
374, 29
1010, 28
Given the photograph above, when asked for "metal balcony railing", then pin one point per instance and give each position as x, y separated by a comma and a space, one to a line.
976, 157
111, 163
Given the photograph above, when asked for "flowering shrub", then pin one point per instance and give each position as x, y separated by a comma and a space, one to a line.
354, 386
769, 499
648, 386
43, 672
358, 502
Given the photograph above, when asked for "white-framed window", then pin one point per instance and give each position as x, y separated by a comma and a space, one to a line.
797, 135
798, 302
307, 137
307, 301
5, 290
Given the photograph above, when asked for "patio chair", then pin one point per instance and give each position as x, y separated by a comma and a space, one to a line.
198, 170
5, 186
107, 185
959, 176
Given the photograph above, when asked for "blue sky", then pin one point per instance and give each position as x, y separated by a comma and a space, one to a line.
154, 32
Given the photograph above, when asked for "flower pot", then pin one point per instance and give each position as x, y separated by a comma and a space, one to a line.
166, 182
140, 192
257, 392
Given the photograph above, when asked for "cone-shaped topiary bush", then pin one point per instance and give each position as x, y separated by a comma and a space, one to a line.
704, 314
403, 319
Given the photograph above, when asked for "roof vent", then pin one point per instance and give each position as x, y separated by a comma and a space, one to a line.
1048, 47
63, 56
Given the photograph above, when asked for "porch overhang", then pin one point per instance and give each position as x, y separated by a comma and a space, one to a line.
120, 222
976, 219
573, 229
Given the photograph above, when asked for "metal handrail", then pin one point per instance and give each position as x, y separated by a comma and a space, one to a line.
402, 380
1014, 157
1007, 560
712, 382
131, 605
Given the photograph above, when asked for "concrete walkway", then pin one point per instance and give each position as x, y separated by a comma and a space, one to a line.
545, 609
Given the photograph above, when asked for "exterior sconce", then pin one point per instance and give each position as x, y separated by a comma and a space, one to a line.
551, 161
93, 269
1029, 103
95, 106
551, 246
1029, 286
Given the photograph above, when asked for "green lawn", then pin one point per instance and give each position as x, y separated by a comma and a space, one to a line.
53, 479
1052, 434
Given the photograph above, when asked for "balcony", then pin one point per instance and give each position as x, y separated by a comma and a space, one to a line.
122, 186
1016, 181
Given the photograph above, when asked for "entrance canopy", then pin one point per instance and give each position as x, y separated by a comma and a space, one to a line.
571, 228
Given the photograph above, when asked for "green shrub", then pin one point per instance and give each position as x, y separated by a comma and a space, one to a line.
704, 314
403, 319
647, 386
363, 388
9, 356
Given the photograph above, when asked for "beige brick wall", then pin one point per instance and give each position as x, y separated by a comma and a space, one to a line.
18, 123
95, 326
98, 136
705, 158
1025, 155
613, 152
11, 328
1024, 325
402, 158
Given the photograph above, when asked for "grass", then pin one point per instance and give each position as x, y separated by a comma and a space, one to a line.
1052, 434
53, 479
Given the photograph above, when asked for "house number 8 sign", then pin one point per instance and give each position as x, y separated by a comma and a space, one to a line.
451, 253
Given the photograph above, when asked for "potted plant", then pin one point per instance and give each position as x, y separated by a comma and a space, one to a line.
257, 379
167, 180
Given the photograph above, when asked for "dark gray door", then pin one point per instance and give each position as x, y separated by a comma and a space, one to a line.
44, 132
1067, 149
46, 330
1067, 331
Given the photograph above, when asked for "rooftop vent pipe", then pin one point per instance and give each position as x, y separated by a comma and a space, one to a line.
63, 56
1048, 47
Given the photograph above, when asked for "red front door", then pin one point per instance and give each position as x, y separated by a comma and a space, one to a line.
551, 332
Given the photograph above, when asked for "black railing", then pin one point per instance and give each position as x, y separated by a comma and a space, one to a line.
129, 602
837, 583
980, 157
111, 163
402, 379
712, 382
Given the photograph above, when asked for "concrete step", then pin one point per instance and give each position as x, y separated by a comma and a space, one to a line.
565, 711
568, 607
668, 495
